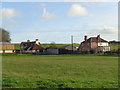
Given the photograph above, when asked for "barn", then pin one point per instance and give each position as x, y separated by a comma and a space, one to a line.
6, 47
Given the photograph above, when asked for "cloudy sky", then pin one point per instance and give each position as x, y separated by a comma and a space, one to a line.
57, 21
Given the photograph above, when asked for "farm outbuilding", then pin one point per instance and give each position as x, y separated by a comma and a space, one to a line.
6, 47
51, 50
68, 49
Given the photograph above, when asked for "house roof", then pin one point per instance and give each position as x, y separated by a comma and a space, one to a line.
5, 43
67, 46
32, 45
27, 42
95, 39
35, 47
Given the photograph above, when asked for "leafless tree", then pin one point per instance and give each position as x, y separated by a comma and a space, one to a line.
4, 35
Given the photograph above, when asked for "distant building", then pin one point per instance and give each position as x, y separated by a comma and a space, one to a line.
94, 43
31, 47
6, 47
67, 49
51, 50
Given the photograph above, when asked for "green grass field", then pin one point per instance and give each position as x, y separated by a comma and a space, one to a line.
60, 71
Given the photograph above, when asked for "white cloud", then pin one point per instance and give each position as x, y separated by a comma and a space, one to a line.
77, 10
47, 15
104, 30
7, 13
42, 5
10, 23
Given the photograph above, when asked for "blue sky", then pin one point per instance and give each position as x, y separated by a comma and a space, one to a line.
57, 21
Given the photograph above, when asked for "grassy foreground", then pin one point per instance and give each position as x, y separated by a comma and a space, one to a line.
60, 71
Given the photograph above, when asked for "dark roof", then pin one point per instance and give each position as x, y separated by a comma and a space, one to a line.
95, 39
27, 42
66, 46
51, 48
36, 47
5, 43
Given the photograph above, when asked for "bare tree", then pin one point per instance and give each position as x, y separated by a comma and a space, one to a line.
4, 35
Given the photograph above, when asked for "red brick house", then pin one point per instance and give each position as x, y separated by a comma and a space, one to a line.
94, 43
30, 47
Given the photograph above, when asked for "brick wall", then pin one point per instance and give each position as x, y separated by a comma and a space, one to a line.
94, 45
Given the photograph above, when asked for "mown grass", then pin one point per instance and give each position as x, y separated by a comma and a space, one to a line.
60, 71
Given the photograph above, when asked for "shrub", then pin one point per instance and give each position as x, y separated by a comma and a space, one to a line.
93, 51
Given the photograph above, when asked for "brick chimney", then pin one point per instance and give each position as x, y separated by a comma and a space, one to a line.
36, 39
85, 37
98, 38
